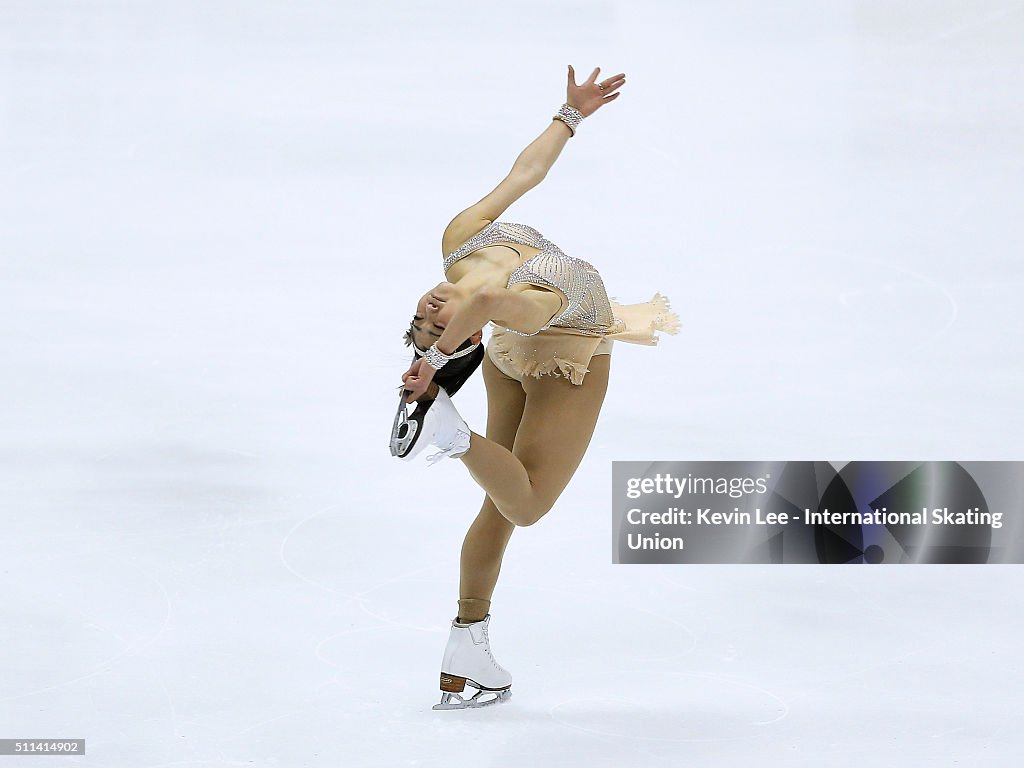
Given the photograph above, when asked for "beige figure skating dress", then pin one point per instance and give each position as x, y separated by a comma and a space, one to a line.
585, 325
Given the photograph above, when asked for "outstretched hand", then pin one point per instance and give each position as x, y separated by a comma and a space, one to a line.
592, 95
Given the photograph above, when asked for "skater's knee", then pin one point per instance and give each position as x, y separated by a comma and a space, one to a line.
532, 513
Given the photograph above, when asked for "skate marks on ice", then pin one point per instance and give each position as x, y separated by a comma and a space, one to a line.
671, 703
110, 584
283, 548
901, 291
684, 707
415, 582
600, 607
619, 638
966, 27
414, 594
368, 615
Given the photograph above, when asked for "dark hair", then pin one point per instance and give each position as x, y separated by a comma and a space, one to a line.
456, 372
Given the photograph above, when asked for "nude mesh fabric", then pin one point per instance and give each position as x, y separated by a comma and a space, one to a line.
587, 320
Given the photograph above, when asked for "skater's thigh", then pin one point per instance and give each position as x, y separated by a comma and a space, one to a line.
557, 425
505, 402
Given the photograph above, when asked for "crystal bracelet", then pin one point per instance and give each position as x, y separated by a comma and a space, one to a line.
569, 115
436, 358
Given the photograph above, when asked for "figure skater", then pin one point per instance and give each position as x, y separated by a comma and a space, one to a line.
545, 371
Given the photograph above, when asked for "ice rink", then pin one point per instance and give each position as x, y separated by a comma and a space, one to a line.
215, 220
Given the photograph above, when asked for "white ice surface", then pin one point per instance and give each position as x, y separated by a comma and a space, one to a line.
215, 218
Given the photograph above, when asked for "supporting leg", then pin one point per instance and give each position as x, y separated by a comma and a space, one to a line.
485, 542
482, 552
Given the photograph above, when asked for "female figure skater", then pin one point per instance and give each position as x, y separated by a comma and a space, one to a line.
545, 371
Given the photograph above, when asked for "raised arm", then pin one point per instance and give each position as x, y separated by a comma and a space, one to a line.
534, 162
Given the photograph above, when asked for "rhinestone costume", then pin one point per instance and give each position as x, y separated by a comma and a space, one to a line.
586, 324
587, 307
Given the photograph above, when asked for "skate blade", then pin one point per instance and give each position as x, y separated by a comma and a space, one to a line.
455, 701
405, 427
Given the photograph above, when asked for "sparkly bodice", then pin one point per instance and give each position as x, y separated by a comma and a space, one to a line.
587, 309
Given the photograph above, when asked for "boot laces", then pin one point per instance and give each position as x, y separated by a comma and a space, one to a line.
436, 457
487, 645
452, 444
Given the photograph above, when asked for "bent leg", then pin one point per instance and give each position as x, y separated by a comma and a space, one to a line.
485, 542
557, 424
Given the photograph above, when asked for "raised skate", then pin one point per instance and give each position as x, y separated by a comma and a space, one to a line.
468, 661
432, 422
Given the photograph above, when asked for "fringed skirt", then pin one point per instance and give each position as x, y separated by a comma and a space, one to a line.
567, 351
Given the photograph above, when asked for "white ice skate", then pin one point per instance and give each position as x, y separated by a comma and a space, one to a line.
433, 422
468, 661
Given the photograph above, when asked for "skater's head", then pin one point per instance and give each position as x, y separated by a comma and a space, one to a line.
434, 310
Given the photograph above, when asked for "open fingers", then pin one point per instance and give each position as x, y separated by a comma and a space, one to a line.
612, 83
593, 75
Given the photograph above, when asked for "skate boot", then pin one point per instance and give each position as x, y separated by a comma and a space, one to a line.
468, 661
433, 422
